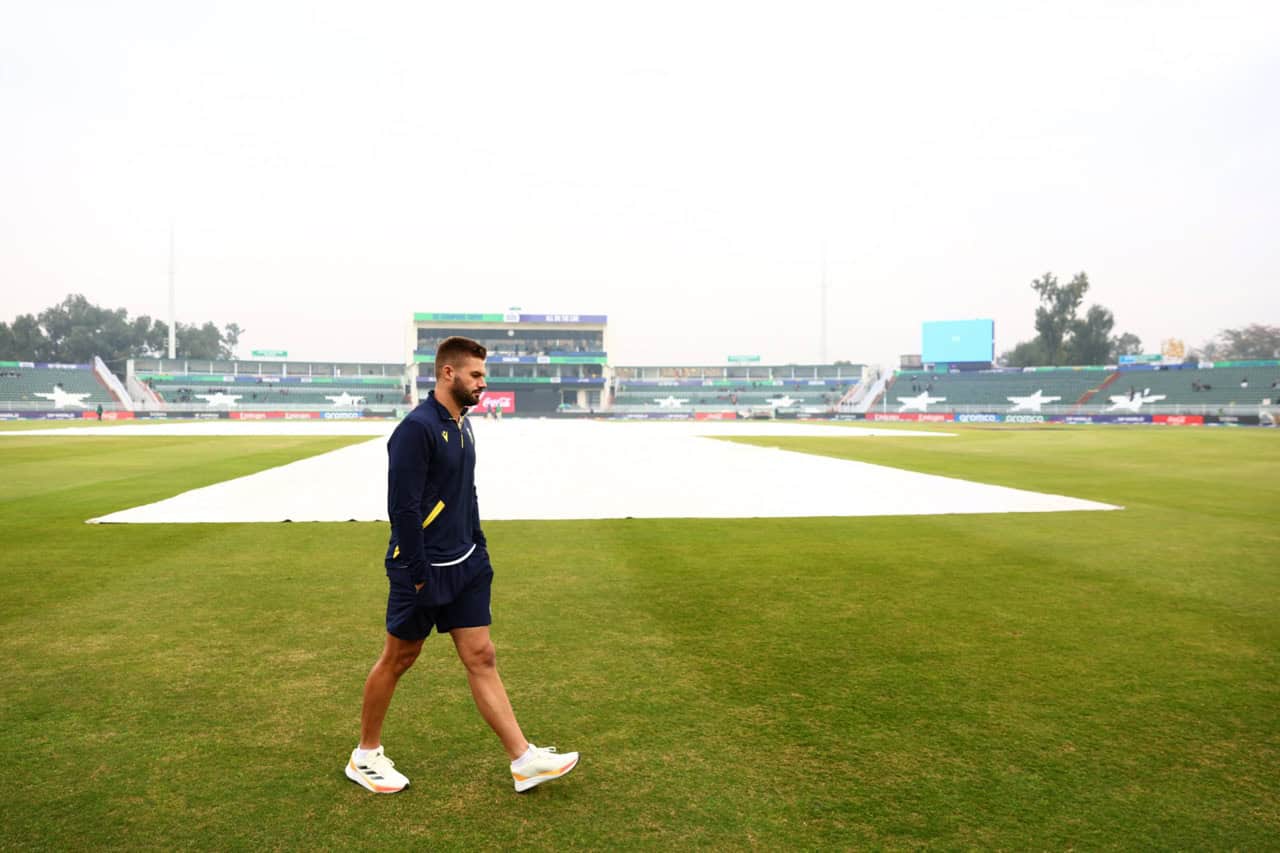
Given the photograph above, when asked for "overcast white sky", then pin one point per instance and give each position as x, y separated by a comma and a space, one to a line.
334, 167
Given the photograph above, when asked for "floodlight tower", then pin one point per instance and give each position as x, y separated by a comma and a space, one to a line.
822, 310
173, 325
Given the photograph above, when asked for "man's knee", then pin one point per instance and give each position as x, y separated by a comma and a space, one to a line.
479, 657
400, 665
399, 657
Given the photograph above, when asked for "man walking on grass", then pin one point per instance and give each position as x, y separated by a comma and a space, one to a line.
439, 573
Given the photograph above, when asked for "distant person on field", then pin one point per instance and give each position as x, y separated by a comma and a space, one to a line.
439, 573
99, 411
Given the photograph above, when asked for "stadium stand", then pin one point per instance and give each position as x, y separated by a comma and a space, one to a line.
1208, 387
266, 385
539, 364
1190, 389
754, 390
28, 385
990, 390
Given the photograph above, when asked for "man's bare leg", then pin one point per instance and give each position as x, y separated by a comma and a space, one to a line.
477, 654
397, 656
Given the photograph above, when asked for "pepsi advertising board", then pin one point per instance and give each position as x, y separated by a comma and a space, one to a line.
958, 342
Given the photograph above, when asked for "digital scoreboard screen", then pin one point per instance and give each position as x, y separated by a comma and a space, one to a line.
957, 341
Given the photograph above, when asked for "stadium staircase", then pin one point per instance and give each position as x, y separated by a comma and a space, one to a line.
144, 395
112, 384
877, 393
1092, 392
852, 397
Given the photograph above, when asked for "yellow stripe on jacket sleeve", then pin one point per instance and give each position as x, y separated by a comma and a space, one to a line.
439, 507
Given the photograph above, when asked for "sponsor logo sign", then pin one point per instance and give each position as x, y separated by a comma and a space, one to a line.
9, 416
1234, 420
1024, 419
491, 401
1178, 420
979, 418
919, 417
336, 416
715, 416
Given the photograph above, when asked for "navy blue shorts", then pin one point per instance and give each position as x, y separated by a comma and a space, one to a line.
454, 596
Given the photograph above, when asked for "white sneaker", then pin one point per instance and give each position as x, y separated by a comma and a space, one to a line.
376, 773
542, 765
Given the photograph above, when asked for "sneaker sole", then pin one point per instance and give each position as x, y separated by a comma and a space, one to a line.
523, 785
355, 776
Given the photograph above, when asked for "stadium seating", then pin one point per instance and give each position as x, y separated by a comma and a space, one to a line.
1193, 389
1204, 387
800, 396
271, 385
22, 382
183, 390
991, 390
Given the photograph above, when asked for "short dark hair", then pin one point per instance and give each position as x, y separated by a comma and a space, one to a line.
455, 349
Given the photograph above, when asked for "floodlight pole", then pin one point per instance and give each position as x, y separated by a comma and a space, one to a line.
173, 325
822, 310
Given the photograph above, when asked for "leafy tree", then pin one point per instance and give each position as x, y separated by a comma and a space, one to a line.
75, 330
1064, 338
202, 342
1091, 341
1025, 354
24, 340
1056, 316
1252, 342
1126, 344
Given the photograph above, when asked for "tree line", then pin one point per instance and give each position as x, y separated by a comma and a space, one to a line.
75, 330
1063, 337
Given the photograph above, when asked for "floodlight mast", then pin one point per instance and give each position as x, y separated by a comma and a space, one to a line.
822, 310
173, 325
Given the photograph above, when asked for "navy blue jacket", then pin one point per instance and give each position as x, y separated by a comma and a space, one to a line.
431, 490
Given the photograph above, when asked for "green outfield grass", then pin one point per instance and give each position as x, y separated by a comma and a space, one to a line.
1036, 681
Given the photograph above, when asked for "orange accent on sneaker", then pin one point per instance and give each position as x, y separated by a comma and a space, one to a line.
556, 772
